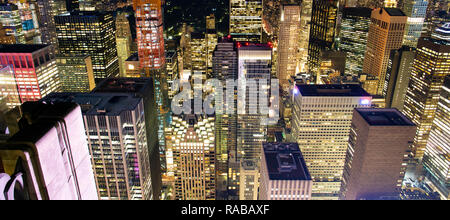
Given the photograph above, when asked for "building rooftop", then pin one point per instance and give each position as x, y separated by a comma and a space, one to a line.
124, 85
357, 11
332, 90
284, 161
253, 46
384, 117
394, 12
111, 104
21, 48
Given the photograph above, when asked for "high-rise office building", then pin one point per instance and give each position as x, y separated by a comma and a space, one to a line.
123, 41
76, 73
9, 95
92, 34
172, 71
249, 180
353, 37
397, 76
48, 158
254, 67
322, 117
246, 20
435, 160
211, 42
191, 156
305, 27
35, 69
323, 31
431, 66
11, 21
48, 9
198, 54
378, 153
284, 174
149, 29
288, 41
385, 34
145, 89
117, 140
225, 67
416, 10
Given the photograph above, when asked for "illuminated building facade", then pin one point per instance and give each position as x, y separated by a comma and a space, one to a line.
41, 166
248, 180
149, 29
431, 66
145, 89
353, 38
123, 41
132, 66
385, 34
9, 95
117, 141
191, 156
246, 20
92, 34
172, 70
211, 42
397, 76
288, 39
378, 153
416, 10
435, 160
322, 117
323, 31
11, 21
305, 27
254, 63
225, 67
35, 69
48, 9
4, 37
390, 3
199, 54
284, 175
76, 73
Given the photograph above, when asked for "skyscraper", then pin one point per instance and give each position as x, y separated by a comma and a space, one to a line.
225, 67
385, 34
321, 122
435, 160
249, 180
254, 66
377, 156
397, 76
117, 140
48, 9
145, 89
246, 20
288, 39
353, 37
211, 42
48, 159
284, 175
323, 31
431, 66
92, 34
416, 10
35, 69
123, 41
191, 156
76, 73
149, 30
